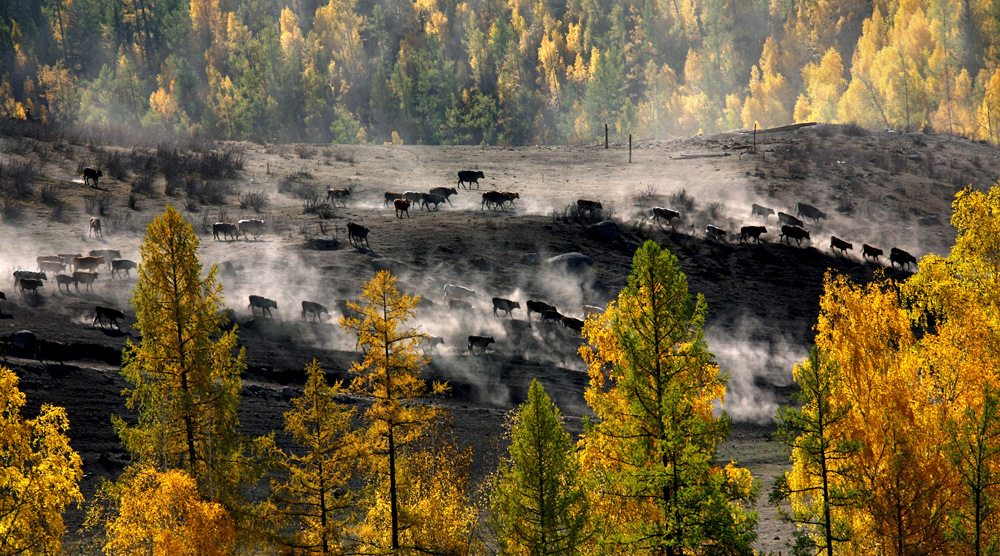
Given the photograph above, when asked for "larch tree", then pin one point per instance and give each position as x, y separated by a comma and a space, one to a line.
389, 374
184, 375
39, 474
650, 456
537, 506
315, 498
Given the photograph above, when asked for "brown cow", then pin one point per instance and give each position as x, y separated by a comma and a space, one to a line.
402, 205
95, 227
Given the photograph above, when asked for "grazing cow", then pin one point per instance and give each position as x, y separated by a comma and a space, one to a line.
109, 314
91, 174
480, 342
592, 310
758, 210
95, 227
869, 251
430, 198
459, 304
86, 263
789, 219
572, 323
539, 307
584, 205
118, 265
715, 232
505, 305
356, 233
49, 266
66, 280
247, 227
48, 259
552, 315
85, 278
663, 213
793, 232
402, 205
445, 192
30, 284
754, 232
837, 243
225, 229
28, 275
458, 292
803, 210
900, 257
263, 303
107, 254
470, 177
315, 308
341, 195
390, 197
493, 199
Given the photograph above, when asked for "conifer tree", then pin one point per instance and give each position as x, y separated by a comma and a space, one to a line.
650, 456
537, 506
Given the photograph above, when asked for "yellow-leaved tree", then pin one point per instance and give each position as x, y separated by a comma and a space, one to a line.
39, 474
649, 459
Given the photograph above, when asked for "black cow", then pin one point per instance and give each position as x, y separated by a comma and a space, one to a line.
900, 257
793, 232
586, 205
109, 314
869, 251
662, 213
66, 280
264, 303
572, 323
751, 232
493, 199
118, 265
505, 305
480, 342
470, 177
715, 232
552, 315
91, 174
357, 233
539, 307
445, 192
430, 198
837, 243
30, 284
803, 210
762, 211
315, 308
789, 219
390, 197
225, 229
335, 195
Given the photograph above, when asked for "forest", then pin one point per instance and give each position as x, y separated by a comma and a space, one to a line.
509, 72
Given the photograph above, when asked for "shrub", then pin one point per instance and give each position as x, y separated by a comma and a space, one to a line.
854, 130
256, 200
133, 201
18, 179
97, 205
143, 185
317, 204
10, 210
49, 194
680, 200
305, 151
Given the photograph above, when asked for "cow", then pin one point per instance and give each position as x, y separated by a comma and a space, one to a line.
900, 257
315, 308
793, 232
48, 259
107, 254
30, 284
762, 211
413, 197
837, 243
50, 266
263, 303
663, 213
452, 291
118, 265
715, 232
341, 195
869, 251
66, 280
459, 304
591, 310
754, 232
430, 198
470, 177
356, 233
67, 258
552, 315
789, 219
86, 263
480, 342
225, 229
95, 227
518, 327
539, 307
85, 278
585, 205
91, 174
51, 350
493, 199
505, 305
343, 305
572, 323
28, 275
109, 314
390, 197
510, 197
445, 192
247, 227
803, 210
402, 205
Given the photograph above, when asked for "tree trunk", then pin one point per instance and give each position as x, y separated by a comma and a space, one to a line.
392, 493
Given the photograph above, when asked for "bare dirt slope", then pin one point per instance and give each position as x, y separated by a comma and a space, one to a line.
881, 188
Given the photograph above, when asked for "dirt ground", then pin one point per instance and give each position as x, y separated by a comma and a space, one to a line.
882, 188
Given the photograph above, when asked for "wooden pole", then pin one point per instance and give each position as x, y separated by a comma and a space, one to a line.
755, 137
605, 136
630, 148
